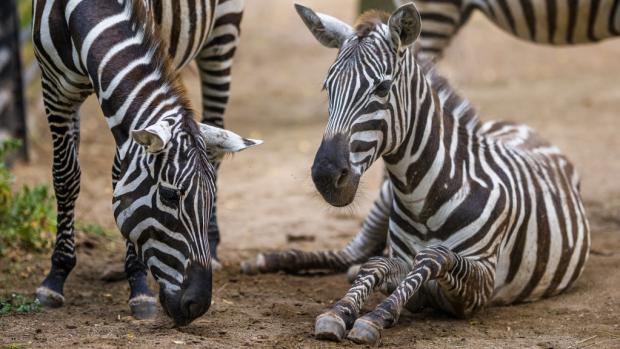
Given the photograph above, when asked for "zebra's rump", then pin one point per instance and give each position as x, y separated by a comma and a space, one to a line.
546, 249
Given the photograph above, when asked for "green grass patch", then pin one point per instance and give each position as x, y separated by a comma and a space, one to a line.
94, 229
19, 303
14, 346
24, 10
28, 215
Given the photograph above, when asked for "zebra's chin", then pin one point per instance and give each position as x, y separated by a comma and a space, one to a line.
192, 300
340, 196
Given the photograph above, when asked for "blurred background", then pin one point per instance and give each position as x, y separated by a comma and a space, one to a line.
571, 95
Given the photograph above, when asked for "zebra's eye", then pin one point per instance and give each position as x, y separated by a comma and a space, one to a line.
169, 195
383, 88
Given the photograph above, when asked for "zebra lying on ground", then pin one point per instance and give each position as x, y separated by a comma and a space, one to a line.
479, 213
165, 165
554, 22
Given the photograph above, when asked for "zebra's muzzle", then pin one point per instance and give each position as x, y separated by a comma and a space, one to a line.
332, 174
192, 300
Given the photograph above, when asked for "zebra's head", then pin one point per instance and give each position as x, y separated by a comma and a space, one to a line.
162, 204
365, 87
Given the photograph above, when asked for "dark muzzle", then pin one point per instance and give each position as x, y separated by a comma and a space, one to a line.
331, 172
192, 300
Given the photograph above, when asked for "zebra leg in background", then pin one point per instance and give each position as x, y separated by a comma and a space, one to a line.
63, 120
442, 21
369, 242
377, 273
142, 301
463, 286
214, 63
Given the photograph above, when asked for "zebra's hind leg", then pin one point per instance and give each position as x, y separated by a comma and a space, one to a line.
377, 273
464, 286
64, 125
369, 242
214, 64
142, 302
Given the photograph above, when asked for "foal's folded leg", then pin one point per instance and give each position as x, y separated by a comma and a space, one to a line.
377, 273
465, 285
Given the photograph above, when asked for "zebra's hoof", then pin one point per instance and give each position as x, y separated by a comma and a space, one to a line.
253, 266
49, 298
329, 327
143, 307
364, 332
352, 272
216, 265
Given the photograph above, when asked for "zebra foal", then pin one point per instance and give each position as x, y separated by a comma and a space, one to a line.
479, 213
127, 52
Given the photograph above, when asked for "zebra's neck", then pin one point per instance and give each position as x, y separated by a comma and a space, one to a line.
118, 49
437, 137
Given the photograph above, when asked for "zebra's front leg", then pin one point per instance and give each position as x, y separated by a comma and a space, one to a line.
464, 286
377, 273
142, 301
64, 126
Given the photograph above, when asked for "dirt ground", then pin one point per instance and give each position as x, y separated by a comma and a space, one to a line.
571, 95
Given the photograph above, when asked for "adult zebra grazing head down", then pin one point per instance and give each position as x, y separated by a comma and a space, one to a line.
163, 173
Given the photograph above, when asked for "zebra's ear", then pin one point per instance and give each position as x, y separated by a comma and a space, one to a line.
220, 141
329, 31
154, 138
405, 25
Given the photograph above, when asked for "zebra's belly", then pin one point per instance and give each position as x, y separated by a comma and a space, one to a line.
556, 22
542, 259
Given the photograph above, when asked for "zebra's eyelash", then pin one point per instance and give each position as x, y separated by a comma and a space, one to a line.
170, 194
383, 87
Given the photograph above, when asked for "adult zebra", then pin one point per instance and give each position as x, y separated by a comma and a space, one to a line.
127, 52
554, 22
480, 213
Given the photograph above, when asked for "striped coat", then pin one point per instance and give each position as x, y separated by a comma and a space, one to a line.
128, 53
479, 213
553, 22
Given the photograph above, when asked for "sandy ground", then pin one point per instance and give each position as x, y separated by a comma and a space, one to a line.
571, 95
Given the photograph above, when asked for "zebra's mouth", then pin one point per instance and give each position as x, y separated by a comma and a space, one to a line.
192, 300
340, 196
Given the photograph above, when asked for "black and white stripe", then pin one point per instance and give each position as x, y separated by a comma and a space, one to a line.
127, 53
479, 213
554, 22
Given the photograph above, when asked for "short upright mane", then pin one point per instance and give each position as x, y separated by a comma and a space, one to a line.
142, 17
468, 115
368, 21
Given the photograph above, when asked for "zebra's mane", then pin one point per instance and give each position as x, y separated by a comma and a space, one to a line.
368, 21
451, 99
142, 17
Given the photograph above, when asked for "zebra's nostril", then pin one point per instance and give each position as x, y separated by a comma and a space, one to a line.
341, 180
190, 308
